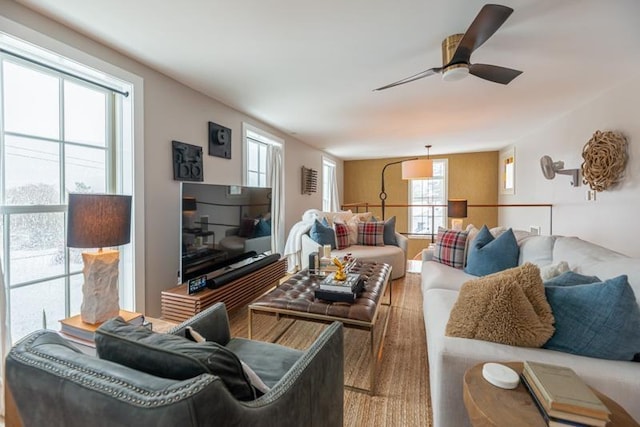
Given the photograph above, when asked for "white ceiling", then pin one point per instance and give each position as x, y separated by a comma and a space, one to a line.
308, 67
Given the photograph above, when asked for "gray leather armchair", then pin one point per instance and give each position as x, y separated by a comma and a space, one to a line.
54, 384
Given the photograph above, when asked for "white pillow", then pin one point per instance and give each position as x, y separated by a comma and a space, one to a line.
363, 216
550, 271
340, 216
472, 232
352, 225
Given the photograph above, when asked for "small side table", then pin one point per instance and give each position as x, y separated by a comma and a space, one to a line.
89, 347
488, 405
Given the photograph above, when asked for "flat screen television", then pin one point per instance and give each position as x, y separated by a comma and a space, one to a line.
222, 225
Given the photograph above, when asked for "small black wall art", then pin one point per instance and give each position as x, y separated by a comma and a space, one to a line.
187, 162
219, 141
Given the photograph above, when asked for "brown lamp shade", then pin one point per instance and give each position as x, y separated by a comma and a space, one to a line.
98, 220
457, 208
417, 169
189, 204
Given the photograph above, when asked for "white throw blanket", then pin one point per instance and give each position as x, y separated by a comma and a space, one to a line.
293, 247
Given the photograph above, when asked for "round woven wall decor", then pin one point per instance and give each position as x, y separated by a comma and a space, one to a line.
605, 157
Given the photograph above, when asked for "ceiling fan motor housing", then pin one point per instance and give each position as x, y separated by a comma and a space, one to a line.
456, 71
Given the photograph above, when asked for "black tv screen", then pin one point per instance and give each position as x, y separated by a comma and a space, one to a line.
222, 225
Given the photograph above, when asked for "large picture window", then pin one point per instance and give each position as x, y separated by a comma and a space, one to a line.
58, 134
430, 191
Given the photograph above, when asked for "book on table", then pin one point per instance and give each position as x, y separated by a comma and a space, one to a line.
74, 326
348, 297
558, 418
563, 393
354, 283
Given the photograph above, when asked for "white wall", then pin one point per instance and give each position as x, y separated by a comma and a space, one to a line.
611, 220
173, 111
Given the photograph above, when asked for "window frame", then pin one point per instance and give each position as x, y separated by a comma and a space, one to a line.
327, 188
253, 134
120, 162
443, 223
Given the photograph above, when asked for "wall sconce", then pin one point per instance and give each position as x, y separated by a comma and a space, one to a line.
457, 209
551, 168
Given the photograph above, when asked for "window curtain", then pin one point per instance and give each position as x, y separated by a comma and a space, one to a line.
275, 181
5, 337
334, 201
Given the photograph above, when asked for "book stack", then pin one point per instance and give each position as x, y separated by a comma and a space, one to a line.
75, 329
347, 290
562, 397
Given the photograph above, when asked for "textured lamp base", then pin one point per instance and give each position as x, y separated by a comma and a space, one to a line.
456, 224
100, 299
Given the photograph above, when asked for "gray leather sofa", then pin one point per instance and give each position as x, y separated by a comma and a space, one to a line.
54, 384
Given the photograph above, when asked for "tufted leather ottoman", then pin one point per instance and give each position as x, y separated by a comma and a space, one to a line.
295, 299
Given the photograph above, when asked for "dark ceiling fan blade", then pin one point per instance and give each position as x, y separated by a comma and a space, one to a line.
494, 73
489, 19
412, 78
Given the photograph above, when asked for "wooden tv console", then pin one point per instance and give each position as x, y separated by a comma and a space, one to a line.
178, 305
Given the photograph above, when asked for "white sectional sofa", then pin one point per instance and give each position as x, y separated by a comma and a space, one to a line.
450, 357
300, 245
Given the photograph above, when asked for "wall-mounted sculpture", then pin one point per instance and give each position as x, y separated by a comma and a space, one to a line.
187, 162
309, 180
219, 141
605, 158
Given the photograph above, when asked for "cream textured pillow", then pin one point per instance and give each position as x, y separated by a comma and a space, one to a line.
550, 271
508, 307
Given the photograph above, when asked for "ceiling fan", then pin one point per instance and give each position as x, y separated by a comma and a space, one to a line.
457, 50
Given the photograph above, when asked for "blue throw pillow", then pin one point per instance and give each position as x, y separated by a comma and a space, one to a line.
262, 228
389, 232
597, 320
323, 234
569, 278
488, 255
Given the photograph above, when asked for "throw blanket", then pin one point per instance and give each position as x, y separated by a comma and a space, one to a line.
293, 247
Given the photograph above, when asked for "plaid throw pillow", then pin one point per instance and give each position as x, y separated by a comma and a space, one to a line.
371, 233
450, 246
342, 234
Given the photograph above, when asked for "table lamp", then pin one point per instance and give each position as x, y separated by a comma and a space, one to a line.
189, 206
99, 221
457, 209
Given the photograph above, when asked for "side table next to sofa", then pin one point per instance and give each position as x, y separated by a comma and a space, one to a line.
488, 405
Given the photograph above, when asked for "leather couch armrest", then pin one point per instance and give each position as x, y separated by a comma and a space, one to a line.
318, 377
212, 324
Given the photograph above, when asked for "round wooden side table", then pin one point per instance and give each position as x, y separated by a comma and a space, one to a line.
488, 405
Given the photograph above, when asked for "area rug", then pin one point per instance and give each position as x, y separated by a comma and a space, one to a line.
402, 371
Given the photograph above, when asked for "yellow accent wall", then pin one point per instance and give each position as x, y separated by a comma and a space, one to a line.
472, 176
